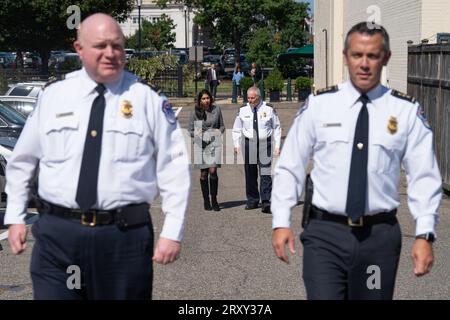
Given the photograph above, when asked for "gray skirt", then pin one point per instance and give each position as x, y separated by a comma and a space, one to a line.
210, 156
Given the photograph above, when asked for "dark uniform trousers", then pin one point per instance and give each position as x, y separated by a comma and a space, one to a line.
114, 262
258, 161
342, 262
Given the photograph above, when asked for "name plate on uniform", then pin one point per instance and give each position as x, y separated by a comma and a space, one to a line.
332, 125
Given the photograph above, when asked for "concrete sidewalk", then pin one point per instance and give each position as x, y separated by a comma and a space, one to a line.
228, 254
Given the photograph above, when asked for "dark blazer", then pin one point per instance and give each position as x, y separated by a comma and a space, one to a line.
209, 75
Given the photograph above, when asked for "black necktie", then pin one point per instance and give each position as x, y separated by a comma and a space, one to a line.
255, 122
87, 182
357, 185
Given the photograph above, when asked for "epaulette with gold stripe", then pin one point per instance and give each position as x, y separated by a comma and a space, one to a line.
403, 96
326, 90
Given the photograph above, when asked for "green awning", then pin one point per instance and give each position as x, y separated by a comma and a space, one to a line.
306, 51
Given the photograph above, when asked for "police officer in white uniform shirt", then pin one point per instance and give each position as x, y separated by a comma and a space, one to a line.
360, 134
104, 143
257, 122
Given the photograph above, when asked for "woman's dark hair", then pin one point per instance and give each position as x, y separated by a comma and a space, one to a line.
199, 112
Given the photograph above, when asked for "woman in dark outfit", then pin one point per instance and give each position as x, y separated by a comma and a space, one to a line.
206, 127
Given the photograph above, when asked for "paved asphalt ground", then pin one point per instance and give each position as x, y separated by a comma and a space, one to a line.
228, 255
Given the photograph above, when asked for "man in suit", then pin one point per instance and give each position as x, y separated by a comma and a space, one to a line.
212, 79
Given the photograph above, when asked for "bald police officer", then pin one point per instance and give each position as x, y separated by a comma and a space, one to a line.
104, 144
360, 134
257, 122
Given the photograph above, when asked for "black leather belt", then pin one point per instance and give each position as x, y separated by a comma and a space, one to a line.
126, 216
385, 217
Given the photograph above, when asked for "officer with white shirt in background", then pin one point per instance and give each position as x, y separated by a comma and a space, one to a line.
360, 134
258, 122
105, 144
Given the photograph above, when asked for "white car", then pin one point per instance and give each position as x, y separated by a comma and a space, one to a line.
25, 89
22, 104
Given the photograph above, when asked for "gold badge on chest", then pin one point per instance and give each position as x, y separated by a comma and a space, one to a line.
392, 125
126, 108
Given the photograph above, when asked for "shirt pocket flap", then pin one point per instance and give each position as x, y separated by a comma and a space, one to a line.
332, 135
125, 126
387, 142
57, 124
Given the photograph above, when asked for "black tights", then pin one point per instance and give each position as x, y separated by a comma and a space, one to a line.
204, 173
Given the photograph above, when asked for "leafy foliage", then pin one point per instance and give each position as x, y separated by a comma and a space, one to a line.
41, 25
303, 83
264, 27
274, 81
245, 83
157, 36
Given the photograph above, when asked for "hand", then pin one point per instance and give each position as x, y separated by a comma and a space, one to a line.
167, 251
236, 150
280, 237
17, 238
422, 255
276, 153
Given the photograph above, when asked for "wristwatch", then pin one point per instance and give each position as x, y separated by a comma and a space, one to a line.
429, 236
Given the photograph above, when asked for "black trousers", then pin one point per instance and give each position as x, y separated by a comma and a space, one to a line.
110, 262
341, 262
213, 88
258, 162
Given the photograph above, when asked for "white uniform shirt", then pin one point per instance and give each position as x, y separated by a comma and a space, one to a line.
268, 124
325, 127
140, 154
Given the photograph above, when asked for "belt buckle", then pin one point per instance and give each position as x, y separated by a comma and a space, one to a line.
85, 221
358, 224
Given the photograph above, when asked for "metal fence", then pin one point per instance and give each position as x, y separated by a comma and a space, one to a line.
170, 81
429, 82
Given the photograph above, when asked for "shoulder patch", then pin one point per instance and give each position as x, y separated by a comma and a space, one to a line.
403, 96
327, 90
421, 116
270, 105
168, 112
51, 81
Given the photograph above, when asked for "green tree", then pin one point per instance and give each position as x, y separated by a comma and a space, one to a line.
228, 21
264, 46
246, 24
41, 25
158, 35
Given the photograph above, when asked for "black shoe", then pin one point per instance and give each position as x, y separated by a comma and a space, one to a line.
266, 208
250, 206
205, 192
207, 206
214, 204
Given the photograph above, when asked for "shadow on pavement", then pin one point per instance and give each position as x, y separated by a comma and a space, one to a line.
232, 204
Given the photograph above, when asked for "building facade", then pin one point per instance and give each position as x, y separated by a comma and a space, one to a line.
181, 15
405, 20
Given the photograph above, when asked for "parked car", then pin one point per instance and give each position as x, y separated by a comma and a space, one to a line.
129, 53
11, 121
32, 60
22, 104
26, 89
208, 61
7, 60
68, 61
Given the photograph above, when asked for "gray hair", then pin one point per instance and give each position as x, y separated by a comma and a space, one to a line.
255, 90
370, 29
